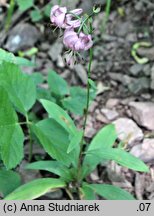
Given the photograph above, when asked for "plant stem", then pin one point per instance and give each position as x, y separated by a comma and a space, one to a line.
59, 2
107, 12
30, 139
9, 14
86, 116
88, 89
69, 194
84, 22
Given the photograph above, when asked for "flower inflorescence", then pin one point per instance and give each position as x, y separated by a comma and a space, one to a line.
74, 38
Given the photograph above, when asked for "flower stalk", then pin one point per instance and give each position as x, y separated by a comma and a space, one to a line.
76, 40
85, 117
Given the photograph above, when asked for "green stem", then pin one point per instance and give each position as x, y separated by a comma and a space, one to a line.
88, 89
69, 194
86, 116
84, 22
30, 139
9, 14
107, 13
59, 2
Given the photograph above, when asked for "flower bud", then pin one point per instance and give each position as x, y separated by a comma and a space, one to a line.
96, 9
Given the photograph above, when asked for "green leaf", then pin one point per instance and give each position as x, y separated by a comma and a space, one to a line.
87, 192
37, 78
20, 87
47, 9
9, 181
36, 15
57, 84
59, 115
35, 189
54, 139
77, 94
29, 53
92, 84
25, 5
53, 167
94, 157
11, 141
75, 141
43, 93
110, 192
9, 57
105, 138
72, 104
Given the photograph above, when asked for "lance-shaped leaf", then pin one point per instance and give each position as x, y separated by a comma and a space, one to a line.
76, 101
94, 157
110, 192
59, 115
53, 167
20, 87
105, 138
75, 141
11, 140
87, 192
35, 189
57, 84
9, 181
55, 140
25, 5
11, 58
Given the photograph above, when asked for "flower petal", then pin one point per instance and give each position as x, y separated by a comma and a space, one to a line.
77, 11
60, 20
74, 23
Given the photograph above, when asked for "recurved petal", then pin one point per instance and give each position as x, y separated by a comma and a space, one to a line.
63, 9
53, 9
59, 20
77, 11
74, 23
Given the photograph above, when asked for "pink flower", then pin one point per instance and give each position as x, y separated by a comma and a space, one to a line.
70, 59
71, 23
77, 11
58, 15
77, 42
71, 20
86, 40
60, 18
70, 38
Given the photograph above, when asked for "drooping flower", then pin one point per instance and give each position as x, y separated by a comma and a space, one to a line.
70, 22
77, 42
58, 15
86, 40
60, 18
70, 38
76, 11
70, 58
71, 19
